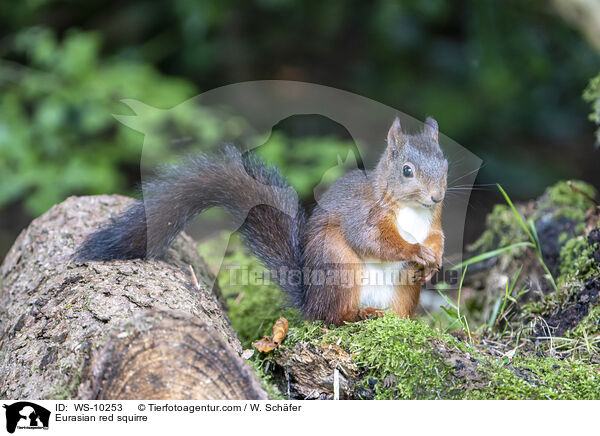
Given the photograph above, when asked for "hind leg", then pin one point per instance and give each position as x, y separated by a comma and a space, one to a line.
335, 299
407, 293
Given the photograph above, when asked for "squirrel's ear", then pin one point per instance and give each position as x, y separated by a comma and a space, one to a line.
431, 128
395, 138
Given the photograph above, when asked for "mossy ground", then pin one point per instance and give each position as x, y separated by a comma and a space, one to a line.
577, 302
531, 377
254, 301
559, 200
576, 261
576, 266
564, 205
388, 350
562, 200
501, 230
408, 359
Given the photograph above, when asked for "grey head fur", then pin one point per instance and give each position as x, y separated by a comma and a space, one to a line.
425, 182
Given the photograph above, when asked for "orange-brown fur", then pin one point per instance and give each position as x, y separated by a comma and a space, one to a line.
356, 222
327, 248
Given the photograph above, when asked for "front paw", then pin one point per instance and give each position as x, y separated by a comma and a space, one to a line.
422, 273
430, 273
424, 256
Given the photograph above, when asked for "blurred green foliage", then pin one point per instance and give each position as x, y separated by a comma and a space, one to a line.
57, 133
503, 80
592, 96
308, 163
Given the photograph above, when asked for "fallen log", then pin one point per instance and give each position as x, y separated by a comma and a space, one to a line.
112, 330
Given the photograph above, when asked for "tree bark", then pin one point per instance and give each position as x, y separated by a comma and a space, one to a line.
112, 330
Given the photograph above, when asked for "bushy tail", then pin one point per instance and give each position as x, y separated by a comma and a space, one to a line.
255, 195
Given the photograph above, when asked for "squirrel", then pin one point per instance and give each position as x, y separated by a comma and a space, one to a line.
368, 224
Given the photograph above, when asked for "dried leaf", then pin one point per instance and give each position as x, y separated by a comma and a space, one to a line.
265, 345
280, 329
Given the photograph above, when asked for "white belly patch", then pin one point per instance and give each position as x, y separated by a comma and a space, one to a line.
413, 224
378, 283
380, 279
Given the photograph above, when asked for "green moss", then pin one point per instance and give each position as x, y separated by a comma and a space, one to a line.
255, 301
590, 325
562, 200
502, 229
308, 332
389, 349
576, 263
562, 238
592, 96
576, 266
392, 349
539, 378
410, 360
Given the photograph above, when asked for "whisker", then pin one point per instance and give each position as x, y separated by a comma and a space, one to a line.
453, 162
475, 188
474, 184
468, 204
468, 174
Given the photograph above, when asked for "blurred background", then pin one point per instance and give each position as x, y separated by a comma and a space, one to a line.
504, 79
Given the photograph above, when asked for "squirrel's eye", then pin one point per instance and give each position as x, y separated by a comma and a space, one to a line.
407, 171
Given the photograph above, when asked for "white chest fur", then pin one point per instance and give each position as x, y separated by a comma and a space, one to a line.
378, 283
413, 223
380, 279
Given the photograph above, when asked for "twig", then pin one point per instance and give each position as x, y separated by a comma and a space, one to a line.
585, 194
308, 396
194, 279
239, 298
336, 384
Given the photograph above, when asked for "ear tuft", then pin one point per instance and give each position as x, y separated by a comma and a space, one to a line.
395, 136
431, 128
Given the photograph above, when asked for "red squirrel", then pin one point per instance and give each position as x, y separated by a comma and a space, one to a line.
362, 249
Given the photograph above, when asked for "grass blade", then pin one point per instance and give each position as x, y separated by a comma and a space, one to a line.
489, 254
516, 212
